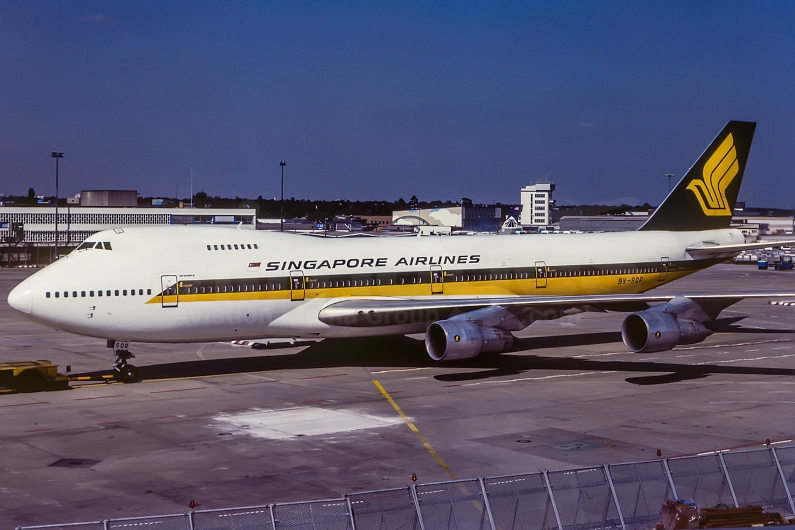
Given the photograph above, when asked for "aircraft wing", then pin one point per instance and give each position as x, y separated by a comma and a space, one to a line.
364, 312
712, 250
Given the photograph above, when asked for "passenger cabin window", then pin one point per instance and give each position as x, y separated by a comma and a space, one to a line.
124, 292
208, 247
216, 247
48, 294
116, 292
56, 294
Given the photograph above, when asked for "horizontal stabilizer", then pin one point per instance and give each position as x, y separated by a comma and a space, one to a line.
714, 251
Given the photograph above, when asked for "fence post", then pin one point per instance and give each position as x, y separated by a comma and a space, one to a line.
783, 479
670, 478
552, 499
273, 518
105, 524
615, 496
486, 502
728, 478
413, 489
350, 511
190, 520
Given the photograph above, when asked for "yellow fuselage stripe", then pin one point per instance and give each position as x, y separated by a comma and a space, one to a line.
567, 286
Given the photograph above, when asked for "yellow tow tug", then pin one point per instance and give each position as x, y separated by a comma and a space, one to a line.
31, 376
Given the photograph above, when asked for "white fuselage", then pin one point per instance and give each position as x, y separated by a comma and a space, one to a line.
265, 284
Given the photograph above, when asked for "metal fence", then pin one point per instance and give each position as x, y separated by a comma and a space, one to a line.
626, 496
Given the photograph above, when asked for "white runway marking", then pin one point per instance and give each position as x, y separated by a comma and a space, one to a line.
751, 402
521, 379
749, 359
397, 370
753, 343
766, 382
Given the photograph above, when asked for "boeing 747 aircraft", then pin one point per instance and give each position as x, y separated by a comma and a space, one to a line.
196, 284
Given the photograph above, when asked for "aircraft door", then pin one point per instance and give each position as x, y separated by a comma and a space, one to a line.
169, 296
437, 280
665, 265
297, 285
541, 274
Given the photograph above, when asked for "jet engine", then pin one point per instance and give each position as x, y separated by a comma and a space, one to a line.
659, 329
451, 340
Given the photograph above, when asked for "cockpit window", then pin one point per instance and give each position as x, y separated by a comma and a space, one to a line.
85, 245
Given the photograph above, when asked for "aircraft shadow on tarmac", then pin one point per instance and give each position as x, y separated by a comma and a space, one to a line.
398, 352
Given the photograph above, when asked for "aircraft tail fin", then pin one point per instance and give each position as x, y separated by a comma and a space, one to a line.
705, 197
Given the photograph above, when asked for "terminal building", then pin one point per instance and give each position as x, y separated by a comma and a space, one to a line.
27, 234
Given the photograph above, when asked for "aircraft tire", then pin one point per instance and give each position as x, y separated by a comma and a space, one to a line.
127, 374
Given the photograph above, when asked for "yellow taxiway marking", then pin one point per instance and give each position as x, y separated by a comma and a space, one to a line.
416, 431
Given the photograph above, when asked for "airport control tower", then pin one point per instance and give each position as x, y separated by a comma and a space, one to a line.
536, 204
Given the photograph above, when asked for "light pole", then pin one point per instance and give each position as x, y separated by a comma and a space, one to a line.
669, 176
282, 163
57, 156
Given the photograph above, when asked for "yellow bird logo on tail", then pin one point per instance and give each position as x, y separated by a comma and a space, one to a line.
719, 171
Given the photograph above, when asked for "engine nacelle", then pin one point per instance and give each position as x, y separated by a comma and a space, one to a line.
654, 330
449, 340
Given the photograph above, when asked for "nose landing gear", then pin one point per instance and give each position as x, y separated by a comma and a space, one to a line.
122, 370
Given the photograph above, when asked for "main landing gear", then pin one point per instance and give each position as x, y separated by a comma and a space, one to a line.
122, 370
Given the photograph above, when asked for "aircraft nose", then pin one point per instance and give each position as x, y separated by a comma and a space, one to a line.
21, 297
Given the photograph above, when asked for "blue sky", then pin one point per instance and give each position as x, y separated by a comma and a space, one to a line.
384, 100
